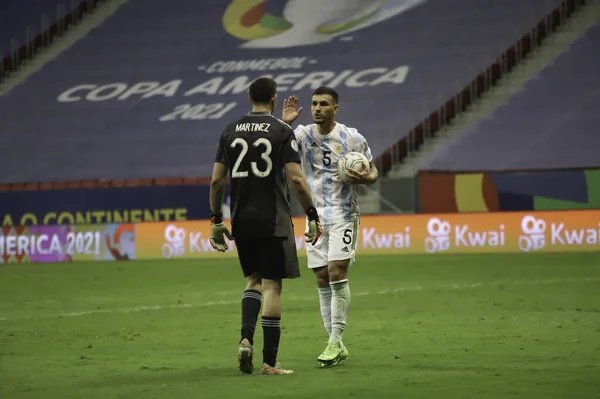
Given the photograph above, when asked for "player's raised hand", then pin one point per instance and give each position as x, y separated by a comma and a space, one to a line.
218, 231
290, 113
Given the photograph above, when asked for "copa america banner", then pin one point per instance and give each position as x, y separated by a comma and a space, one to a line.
459, 233
67, 243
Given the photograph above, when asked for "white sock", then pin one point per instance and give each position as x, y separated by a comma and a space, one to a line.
325, 300
340, 302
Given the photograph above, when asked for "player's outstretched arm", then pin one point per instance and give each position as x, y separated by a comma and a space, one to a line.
300, 188
217, 188
298, 184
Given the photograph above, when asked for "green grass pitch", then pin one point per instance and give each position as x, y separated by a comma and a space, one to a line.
476, 326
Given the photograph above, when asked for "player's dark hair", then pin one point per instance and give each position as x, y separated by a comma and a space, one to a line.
324, 90
262, 90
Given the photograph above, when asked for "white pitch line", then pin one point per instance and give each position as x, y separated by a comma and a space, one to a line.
295, 298
184, 295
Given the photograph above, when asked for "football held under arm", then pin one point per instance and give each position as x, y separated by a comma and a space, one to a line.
369, 177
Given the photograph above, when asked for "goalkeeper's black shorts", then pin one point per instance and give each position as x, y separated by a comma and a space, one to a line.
271, 257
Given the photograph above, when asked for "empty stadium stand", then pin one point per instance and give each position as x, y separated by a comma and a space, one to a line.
146, 94
29, 25
552, 123
22, 20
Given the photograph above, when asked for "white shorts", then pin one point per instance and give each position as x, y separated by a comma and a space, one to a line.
338, 242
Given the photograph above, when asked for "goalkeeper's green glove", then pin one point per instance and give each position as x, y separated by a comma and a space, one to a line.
217, 232
314, 231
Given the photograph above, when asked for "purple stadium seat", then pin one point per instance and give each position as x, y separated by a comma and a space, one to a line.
17, 15
551, 123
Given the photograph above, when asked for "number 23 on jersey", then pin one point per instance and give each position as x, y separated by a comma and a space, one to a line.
266, 151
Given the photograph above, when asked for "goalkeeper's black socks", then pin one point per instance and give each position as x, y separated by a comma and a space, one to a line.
251, 301
272, 332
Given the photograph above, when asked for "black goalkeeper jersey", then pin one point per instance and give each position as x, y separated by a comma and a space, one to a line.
255, 150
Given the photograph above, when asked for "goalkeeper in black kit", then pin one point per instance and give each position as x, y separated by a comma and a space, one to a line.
261, 155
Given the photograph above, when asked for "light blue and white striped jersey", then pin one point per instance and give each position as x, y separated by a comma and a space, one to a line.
335, 200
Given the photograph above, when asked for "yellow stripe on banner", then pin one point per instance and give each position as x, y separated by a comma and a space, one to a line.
468, 190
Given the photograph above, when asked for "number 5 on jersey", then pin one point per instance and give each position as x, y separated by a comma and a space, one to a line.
347, 238
236, 173
326, 158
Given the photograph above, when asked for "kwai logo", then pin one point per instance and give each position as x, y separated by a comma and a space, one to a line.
466, 236
174, 242
181, 242
534, 234
289, 23
439, 236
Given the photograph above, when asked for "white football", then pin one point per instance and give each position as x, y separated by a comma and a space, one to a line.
352, 161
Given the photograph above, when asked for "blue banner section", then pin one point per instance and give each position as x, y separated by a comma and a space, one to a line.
106, 205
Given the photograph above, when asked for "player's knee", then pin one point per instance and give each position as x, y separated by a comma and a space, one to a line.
254, 282
271, 287
322, 276
338, 270
322, 282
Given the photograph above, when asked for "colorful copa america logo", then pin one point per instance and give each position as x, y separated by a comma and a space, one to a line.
289, 23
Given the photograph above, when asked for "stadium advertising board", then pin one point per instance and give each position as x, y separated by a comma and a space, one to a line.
67, 243
516, 232
104, 205
408, 234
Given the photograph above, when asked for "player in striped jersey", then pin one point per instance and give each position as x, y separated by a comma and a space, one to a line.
321, 145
